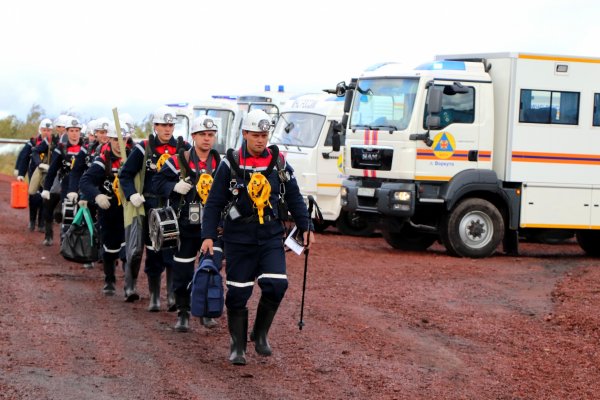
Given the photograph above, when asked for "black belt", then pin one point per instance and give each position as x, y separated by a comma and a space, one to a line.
254, 218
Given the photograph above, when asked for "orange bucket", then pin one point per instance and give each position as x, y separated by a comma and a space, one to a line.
18, 194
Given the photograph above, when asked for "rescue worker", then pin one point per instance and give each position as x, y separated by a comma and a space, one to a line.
186, 182
160, 147
100, 183
83, 160
254, 187
26, 165
62, 160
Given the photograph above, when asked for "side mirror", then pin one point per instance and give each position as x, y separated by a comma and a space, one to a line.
335, 138
340, 89
432, 122
434, 100
348, 100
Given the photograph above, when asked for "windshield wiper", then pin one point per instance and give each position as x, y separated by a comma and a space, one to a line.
361, 126
390, 127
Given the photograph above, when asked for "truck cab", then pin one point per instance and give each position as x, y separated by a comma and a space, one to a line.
308, 132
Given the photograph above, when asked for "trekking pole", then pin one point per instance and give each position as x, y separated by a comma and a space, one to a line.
311, 202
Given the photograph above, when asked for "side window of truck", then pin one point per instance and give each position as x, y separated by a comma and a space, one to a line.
549, 107
596, 118
457, 108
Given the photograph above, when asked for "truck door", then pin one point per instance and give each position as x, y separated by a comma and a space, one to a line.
455, 141
329, 172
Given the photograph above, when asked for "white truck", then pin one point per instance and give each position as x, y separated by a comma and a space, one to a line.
475, 149
308, 132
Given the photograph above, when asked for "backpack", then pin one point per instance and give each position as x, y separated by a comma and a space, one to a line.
207, 294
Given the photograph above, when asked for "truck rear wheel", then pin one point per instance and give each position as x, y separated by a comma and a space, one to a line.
354, 224
409, 239
589, 241
473, 228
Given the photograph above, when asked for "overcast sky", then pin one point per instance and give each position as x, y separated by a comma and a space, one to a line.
88, 57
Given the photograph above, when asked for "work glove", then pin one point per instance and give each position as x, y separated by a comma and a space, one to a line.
45, 194
72, 196
137, 199
182, 187
16, 172
103, 201
82, 203
43, 166
20, 178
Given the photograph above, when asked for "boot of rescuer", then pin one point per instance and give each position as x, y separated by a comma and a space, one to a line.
183, 312
171, 302
132, 269
237, 322
154, 289
264, 318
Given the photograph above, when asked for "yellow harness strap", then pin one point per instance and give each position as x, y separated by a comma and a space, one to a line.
259, 190
203, 186
115, 186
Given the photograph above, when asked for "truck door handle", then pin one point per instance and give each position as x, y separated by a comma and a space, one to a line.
473, 155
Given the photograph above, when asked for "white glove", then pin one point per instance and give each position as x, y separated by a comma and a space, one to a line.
182, 187
82, 203
137, 199
45, 194
20, 178
16, 172
103, 201
43, 166
72, 196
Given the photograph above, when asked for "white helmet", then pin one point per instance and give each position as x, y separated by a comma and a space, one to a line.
45, 123
203, 123
73, 122
257, 121
164, 115
112, 131
101, 124
61, 120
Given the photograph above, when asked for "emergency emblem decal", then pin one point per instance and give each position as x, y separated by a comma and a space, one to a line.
444, 145
340, 163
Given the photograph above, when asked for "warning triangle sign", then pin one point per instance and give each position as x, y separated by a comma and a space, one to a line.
443, 144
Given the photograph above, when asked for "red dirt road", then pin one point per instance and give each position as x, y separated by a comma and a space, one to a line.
380, 324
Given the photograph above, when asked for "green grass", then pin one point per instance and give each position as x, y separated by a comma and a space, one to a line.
7, 163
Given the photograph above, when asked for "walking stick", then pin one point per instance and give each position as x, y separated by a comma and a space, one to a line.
311, 203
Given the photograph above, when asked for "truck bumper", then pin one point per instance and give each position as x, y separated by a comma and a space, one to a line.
394, 199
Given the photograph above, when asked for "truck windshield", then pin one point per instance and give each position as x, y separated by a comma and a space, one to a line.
298, 129
384, 103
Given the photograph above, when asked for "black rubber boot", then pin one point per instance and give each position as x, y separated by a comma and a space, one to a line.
183, 313
154, 289
264, 318
132, 269
109, 278
237, 321
49, 235
40, 219
32, 215
171, 303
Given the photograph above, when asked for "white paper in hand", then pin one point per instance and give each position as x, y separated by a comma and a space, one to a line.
293, 243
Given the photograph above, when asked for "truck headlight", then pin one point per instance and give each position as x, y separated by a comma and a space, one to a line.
401, 196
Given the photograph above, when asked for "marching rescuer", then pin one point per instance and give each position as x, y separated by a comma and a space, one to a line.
255, 187
100, 183
159, 147
26, 165
186, 183
63, 157
83, 160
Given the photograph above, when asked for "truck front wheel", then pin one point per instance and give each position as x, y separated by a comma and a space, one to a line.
589, 241
473, 228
